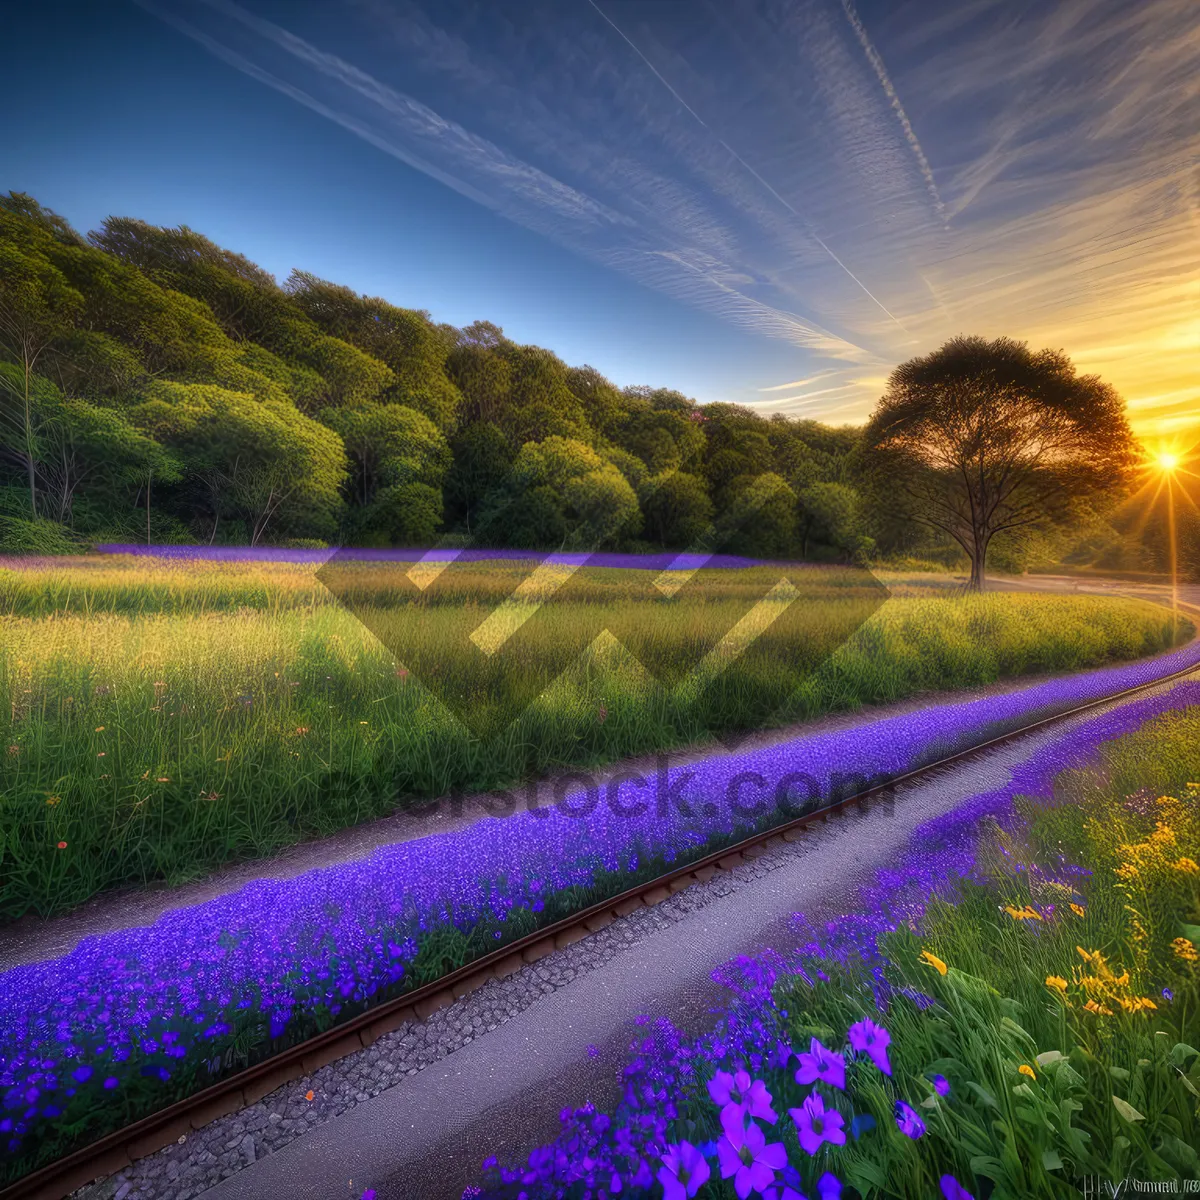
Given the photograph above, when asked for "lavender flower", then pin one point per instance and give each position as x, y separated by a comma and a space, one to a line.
873, 1040
816, 1124
821, 1064
953, 1190
941, 1085
683, 1173
745, 1155
829, 1187
907, 1120
741, 1097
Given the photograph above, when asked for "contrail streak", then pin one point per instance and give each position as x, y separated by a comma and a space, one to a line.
747, 167
886, 83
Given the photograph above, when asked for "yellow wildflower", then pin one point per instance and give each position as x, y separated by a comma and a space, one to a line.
1135, 1003
1079, 910
1092, 1007
1026, 1069
1184, 948
1027, 913
932, 960
1084, 954
1186, 865
1058, 982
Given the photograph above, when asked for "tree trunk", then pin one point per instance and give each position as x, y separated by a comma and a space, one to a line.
978, 561
29, 464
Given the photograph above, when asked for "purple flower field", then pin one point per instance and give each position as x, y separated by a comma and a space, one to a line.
669, 561
636, 1151
138, 1012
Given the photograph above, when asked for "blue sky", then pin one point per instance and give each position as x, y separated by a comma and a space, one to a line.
767, 201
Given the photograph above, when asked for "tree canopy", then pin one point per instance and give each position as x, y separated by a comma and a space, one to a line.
154, 383
983, 438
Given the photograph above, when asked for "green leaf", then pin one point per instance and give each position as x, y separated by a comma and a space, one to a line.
1119, 1073
868, 1173
1187, 1083
1008, 1024
1051, 1160
1127, 1110
1049, 1056
982, 1093
931, 1102
1181, 1053
988, 1167
1192, 933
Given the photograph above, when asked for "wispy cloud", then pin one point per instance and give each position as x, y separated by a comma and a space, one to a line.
780, 387
886, 83
859, 185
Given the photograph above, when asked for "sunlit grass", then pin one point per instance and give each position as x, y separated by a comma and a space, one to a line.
161, 719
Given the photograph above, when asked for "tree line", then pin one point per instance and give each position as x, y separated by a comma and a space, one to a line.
156, 386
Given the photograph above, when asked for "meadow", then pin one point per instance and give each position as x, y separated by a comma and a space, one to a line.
160, 718
150, 1014
1010, 1011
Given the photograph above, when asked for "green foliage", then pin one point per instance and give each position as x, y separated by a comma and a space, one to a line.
268, 679
21, 536
111, 318
832, 513
578, 499
676, 509
262, 462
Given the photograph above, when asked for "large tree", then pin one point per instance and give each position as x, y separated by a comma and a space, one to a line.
258, 461
981, 438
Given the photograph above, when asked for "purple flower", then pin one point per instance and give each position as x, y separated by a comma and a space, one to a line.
745, 1155
829, 1187
941, 1085
907, 1120
783, 1192
683, 1173
821, 1064
873, 1040
749, 1098
816, 1124
1168, 995
863, 1123
953, 1190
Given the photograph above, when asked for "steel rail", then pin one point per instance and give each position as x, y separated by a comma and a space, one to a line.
146, 1136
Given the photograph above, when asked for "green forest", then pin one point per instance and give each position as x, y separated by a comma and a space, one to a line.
157, 387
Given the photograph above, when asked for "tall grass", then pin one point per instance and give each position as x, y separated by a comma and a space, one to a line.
163, 719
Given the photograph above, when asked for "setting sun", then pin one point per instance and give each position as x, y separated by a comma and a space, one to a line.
1167, 461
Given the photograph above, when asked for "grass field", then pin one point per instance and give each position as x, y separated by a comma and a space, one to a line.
158, 719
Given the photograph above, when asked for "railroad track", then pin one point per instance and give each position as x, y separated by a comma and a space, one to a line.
121, 1148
